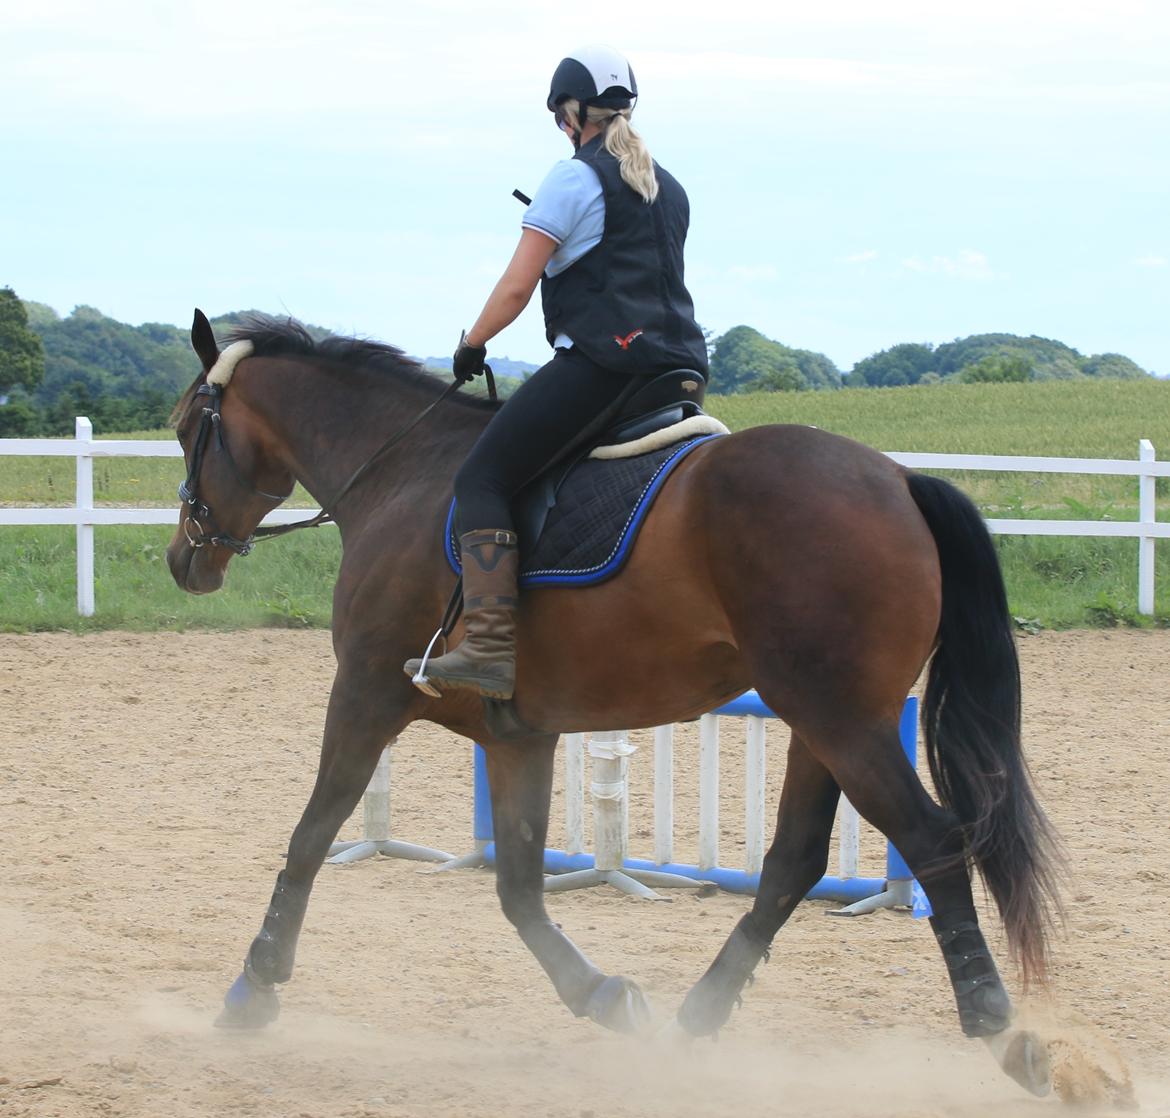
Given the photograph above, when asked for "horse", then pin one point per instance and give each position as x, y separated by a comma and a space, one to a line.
783, 558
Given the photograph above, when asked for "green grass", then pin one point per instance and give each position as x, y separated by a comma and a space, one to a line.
1060, 419
1082, 419
1052, 582
284, 583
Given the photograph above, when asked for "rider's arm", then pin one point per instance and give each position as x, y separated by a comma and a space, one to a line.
515, 287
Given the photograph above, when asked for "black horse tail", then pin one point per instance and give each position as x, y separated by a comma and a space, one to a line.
971, 722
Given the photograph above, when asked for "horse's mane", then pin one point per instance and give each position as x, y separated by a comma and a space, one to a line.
285, 337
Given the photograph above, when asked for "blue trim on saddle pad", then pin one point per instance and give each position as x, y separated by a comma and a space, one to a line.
622, 546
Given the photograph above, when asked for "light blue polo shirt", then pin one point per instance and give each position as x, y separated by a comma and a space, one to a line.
569, 207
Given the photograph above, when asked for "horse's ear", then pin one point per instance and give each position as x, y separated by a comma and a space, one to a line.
203, 340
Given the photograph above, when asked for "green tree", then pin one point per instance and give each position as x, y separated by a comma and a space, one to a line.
997, 369
1112, 365
743, 360
19, 418
1047, 359
22, 357
906, 363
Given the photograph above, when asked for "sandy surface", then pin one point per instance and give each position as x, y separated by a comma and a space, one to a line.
148, 784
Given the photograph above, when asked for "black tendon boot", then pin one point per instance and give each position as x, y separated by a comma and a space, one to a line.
485, 661
983, 1003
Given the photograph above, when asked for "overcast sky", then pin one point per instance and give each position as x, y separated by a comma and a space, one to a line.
860, 174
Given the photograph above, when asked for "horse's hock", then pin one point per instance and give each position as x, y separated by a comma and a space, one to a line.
144, 840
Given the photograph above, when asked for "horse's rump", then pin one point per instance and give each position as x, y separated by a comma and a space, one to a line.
777, 547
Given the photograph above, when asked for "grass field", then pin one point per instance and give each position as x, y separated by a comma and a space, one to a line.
1052, 582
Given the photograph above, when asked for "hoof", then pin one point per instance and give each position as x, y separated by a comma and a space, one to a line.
1023, 1055
248, 1006
619, 1004
707, 1008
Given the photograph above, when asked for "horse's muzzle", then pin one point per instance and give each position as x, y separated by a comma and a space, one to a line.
193, 566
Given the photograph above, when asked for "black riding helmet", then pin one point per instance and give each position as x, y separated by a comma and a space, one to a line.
595, 75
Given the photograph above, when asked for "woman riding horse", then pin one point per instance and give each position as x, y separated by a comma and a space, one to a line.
604, 236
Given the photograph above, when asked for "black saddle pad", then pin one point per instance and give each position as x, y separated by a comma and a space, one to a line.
590, 531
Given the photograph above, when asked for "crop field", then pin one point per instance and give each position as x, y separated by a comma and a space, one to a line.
1052, 582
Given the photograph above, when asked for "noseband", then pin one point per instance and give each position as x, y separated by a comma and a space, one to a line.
199, 511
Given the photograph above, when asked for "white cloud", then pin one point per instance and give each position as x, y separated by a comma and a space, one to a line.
1150, 260
862, 257
966, 264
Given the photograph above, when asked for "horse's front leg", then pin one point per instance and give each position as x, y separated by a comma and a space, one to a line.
358, 725
520, 776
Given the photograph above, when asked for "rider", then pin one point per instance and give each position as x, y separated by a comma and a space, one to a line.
604, 236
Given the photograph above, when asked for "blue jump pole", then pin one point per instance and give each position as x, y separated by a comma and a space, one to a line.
481, 824
898, 890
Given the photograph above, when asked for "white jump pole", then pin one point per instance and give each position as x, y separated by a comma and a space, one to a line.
708, 791
754, 806
609, 753
376, 827
663, 794
574, 793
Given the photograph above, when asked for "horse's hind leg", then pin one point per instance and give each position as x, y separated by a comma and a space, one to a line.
795, 863
881, 783
520, 776
357, 728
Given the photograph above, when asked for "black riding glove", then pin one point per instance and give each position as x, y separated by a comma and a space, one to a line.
468, 360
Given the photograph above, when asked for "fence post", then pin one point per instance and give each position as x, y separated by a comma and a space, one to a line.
83, 433
1147, 514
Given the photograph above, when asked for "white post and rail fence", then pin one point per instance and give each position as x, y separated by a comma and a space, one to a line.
85, 517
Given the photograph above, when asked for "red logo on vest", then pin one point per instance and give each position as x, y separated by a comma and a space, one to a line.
625, 342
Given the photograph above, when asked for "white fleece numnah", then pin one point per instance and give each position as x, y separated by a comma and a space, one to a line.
221, 371
684, 429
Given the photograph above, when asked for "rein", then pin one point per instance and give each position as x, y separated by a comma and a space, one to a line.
212, 420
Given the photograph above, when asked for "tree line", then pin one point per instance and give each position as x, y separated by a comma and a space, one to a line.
744, 360
127, 378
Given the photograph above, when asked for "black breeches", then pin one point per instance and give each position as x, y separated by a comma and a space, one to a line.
548, 411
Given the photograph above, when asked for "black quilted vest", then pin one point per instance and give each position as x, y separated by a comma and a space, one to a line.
623, 303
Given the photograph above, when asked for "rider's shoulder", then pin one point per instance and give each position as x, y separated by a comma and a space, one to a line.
571, 175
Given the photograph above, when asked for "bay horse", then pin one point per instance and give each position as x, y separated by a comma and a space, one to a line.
783, 558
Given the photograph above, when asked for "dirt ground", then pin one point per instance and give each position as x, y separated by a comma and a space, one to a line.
148, 785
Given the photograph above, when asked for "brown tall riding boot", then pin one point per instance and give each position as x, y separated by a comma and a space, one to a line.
486, 659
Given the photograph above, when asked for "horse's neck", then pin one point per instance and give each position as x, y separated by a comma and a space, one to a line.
333, 425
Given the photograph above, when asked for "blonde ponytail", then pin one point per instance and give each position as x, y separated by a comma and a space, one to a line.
625, 145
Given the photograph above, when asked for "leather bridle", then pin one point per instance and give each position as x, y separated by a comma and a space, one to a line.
200, 512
